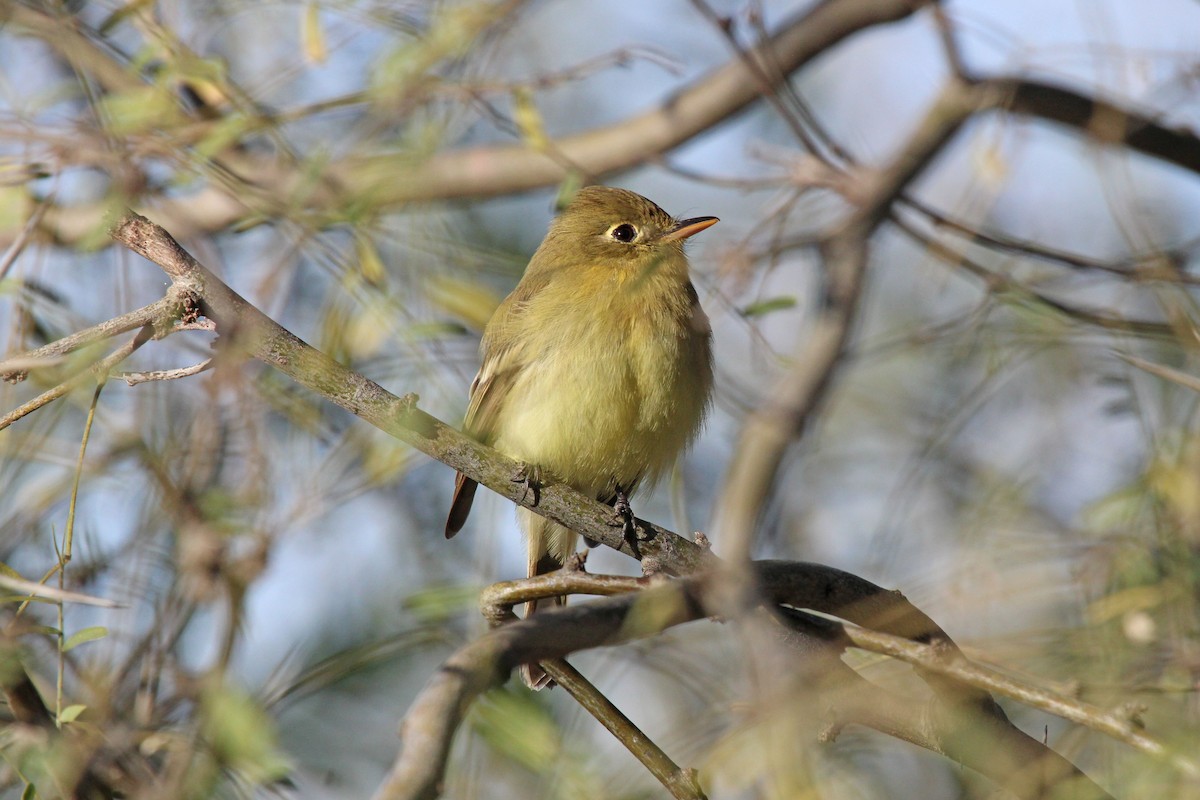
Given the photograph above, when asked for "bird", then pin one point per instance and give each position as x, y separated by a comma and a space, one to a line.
597, 368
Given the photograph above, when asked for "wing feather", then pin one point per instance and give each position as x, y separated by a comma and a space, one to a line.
502, 365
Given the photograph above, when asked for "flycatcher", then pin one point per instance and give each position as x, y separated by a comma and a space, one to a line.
597, 369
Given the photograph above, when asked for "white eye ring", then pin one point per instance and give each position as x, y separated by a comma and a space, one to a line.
624, 232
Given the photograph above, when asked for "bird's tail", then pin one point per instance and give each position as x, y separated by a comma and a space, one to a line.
550, 545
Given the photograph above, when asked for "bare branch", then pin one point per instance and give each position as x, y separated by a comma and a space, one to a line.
393, 180
681, 783
1102, 120
99, 372
134, 378
978, 736
955, 665
999, 282
767, 432
15, 369
429, 726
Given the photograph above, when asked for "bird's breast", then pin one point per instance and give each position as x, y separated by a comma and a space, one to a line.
616, 389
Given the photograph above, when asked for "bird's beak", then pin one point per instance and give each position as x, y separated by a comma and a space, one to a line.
687, 227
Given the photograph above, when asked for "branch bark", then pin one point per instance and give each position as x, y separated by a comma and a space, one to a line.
247, 332
429, 726
390, 180
963, 725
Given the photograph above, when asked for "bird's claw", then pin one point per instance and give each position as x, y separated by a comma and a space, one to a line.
530, 476
624, 518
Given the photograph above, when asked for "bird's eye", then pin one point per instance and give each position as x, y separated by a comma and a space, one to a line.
624, 232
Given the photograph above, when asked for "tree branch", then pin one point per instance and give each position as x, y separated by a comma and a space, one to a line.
429, 726
248, 331
768, 431
389, 180
16, 369
963, 725
481, 664
98, 372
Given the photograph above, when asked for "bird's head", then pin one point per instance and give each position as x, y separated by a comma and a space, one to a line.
603, 225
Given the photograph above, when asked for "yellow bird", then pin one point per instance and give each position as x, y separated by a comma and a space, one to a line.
597, 369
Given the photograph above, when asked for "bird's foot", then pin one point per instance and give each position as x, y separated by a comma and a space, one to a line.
576, 562
530, 477
624, 518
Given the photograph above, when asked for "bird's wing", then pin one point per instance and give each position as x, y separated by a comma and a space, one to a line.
501, 367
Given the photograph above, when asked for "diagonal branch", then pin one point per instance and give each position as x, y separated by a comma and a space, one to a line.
99, 372
429, 726
390, 180
977, 736
768, 432
14, 370
247, 330
681, 783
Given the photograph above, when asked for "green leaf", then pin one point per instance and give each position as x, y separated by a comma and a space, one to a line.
72, 712
223, 134
370, 264
24, 598
84, 635
441, 602
30, 792
241, 735
140, 109
516, 724
311, 34
767, 306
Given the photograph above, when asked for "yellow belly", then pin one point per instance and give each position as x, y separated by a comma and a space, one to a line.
620, 414
609, 392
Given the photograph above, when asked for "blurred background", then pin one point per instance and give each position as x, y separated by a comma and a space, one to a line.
1012, 443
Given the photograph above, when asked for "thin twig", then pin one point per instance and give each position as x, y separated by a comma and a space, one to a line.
64, 556
430, 723
768, 431
98, 371
1185, 379
999, 282
134, 378
1140, 267
958, 667
18, 244
950, 48
681, 783
35, 589
14, 369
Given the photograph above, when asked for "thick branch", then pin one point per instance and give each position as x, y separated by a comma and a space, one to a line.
1103, 120
246, 329
975, 735
391, 180
435, 715
767, 433
967, 732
